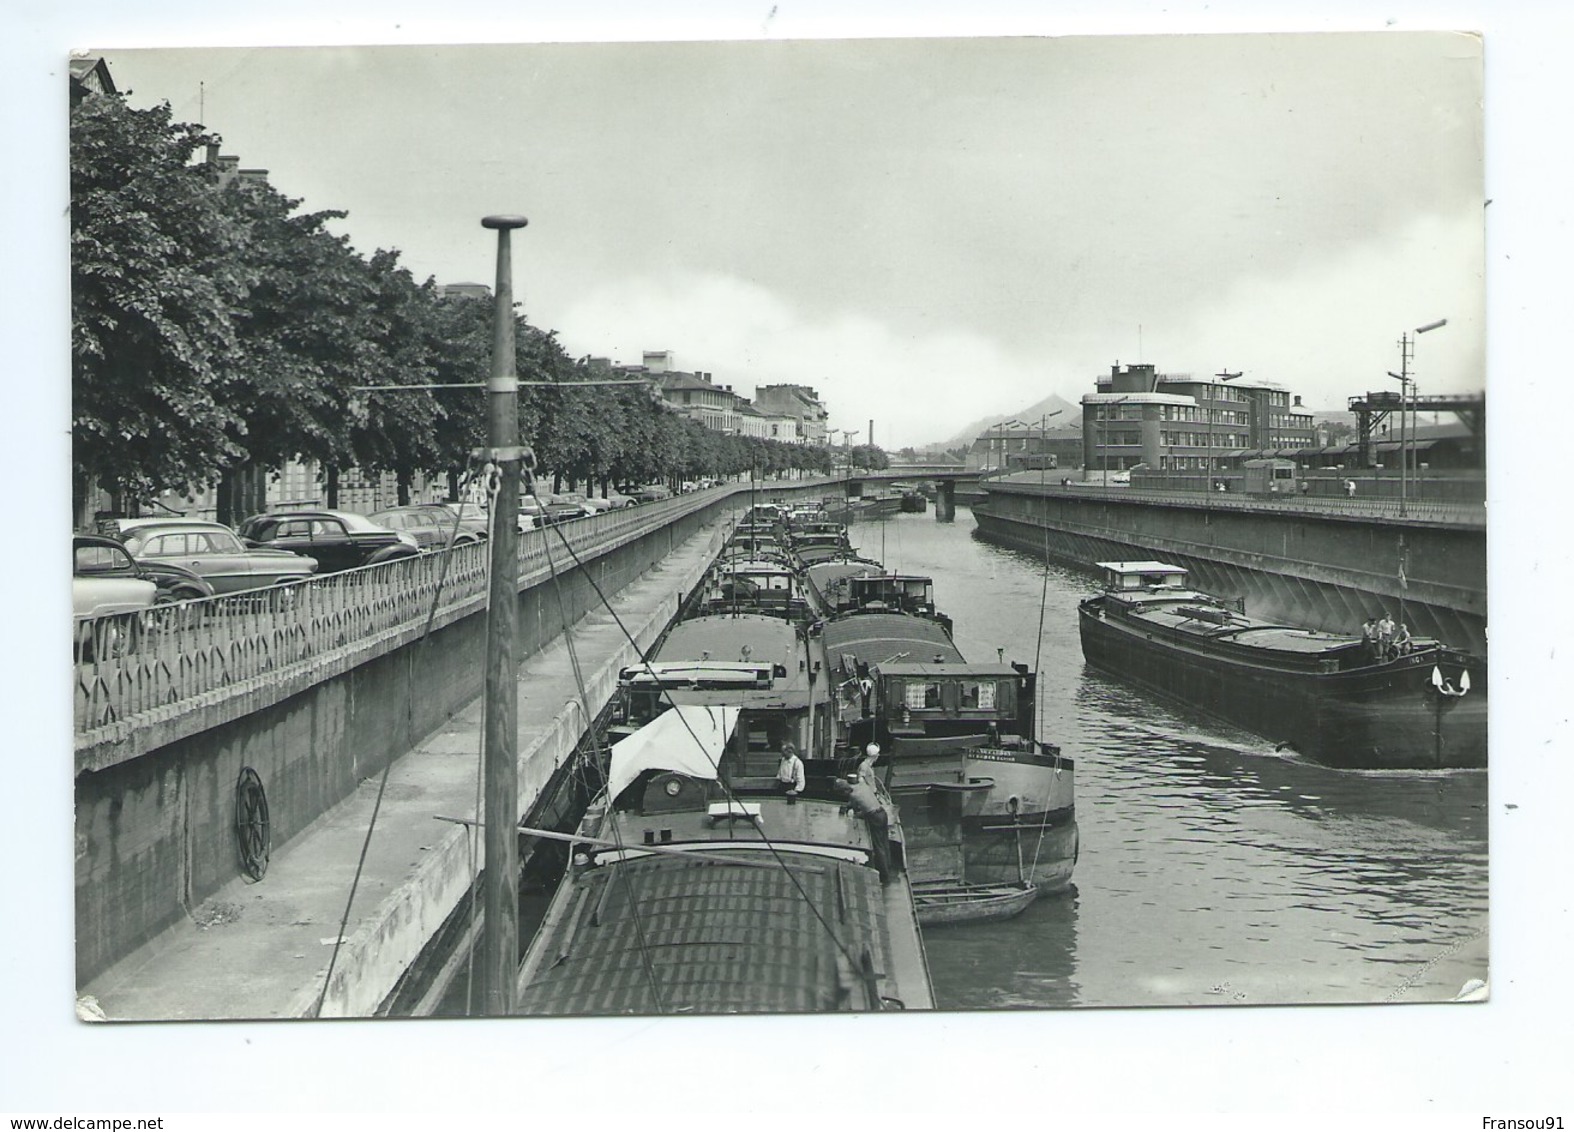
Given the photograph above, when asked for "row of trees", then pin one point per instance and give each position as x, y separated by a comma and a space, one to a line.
870, 456
218, 332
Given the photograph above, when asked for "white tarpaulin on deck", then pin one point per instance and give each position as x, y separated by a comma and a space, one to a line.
688, 739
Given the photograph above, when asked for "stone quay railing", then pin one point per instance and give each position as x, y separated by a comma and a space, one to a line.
135, 669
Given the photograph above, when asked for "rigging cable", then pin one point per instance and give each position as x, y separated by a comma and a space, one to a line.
382, 782
494, 484
1040, 695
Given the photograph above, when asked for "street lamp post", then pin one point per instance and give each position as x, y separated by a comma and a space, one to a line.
1406, 395
1224, 377
1043, 442
847, 457
1104, 438
997, 432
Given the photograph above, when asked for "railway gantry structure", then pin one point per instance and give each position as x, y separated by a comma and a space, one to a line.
1372, 409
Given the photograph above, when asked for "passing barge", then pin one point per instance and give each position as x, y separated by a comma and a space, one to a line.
1333, 698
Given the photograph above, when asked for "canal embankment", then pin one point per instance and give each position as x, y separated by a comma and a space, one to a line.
1322, 563
292, 696
263, 949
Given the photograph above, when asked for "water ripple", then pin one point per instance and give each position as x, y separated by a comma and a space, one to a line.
1214, 869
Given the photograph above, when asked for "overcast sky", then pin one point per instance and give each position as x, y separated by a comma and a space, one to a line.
926, 231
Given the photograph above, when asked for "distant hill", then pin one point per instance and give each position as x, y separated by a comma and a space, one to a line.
1032, 414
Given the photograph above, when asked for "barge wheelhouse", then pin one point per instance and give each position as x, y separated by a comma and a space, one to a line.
985, 801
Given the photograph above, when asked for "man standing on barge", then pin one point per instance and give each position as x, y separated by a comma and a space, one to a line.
789, 772
1369, 637
864, 802
1385, 636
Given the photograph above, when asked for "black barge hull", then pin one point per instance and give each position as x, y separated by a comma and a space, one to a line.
1393, 718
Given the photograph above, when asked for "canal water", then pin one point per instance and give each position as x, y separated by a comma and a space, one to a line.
1213, 869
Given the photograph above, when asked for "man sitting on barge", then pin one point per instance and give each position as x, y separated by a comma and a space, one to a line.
1403, 641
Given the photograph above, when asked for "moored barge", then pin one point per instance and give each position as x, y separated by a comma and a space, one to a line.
696, 886
985, 801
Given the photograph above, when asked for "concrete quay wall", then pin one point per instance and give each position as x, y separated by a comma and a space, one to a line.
1303, 565
156, 834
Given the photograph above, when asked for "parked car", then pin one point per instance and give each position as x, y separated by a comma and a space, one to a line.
618, 499
576, 499
545, 509
652, 492
433, 528
174, 582
472, 516
213, 552
105, 579
532, 514
338, 540
596, 503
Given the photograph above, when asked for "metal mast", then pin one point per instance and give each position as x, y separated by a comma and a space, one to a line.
499, 888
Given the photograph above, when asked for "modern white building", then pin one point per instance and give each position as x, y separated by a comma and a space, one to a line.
1180, 422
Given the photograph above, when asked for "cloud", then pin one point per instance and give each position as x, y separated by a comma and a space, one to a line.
916, 388
1326, 332
1331, 330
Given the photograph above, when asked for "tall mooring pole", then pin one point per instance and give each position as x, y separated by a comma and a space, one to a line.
500, 882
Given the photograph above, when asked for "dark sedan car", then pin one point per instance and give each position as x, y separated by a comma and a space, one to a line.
175, 583
559, 508
338, 540
212, 551
430, 525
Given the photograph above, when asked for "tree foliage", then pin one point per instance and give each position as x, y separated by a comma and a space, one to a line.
870, 457
303, 330
217, 330
157, 279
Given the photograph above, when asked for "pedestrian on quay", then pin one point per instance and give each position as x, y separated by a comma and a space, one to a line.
863, 801
1349, 489
789, 772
